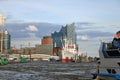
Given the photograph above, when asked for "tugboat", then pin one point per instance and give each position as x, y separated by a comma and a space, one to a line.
108, 68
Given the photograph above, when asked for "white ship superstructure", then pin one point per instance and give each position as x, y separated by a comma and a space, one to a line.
68, 52
109, 66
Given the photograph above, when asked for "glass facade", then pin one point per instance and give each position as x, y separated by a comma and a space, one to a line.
57, 36
67, 32
4, 40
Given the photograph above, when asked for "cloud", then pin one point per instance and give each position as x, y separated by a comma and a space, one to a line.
87, 26
83, 23
32, 28
38, 29
3, 0
94, 31
83, 37
22, 30
114, 26
32, 35
95, 34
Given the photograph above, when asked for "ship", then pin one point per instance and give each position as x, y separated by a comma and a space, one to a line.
108, 67
68, 51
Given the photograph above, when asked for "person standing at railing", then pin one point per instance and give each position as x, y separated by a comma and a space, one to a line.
98, 67
116, 40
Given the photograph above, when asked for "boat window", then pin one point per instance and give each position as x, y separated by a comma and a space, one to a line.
111, 71
119, 63
110, 51
109, 46
113, 53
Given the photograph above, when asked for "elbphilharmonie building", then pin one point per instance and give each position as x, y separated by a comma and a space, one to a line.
67, 32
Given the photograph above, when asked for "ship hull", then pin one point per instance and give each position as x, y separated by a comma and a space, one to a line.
105, 76
67, 56
109, 67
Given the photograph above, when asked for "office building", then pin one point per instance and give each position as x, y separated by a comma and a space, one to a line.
5, 41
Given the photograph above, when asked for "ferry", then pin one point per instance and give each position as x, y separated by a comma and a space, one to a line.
108, 68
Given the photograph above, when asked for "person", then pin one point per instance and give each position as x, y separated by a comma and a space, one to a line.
116, 40
98, 66
117, 35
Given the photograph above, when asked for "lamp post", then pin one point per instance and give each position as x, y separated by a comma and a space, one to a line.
29, 50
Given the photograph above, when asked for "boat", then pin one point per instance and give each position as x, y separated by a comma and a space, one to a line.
68, 51
54, 58
108, 68
3, 59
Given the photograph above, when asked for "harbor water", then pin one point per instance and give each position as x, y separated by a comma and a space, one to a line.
44, 70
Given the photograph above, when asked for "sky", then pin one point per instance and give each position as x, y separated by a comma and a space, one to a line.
95, 19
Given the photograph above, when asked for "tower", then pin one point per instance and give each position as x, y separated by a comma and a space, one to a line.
4, 36
2, 22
